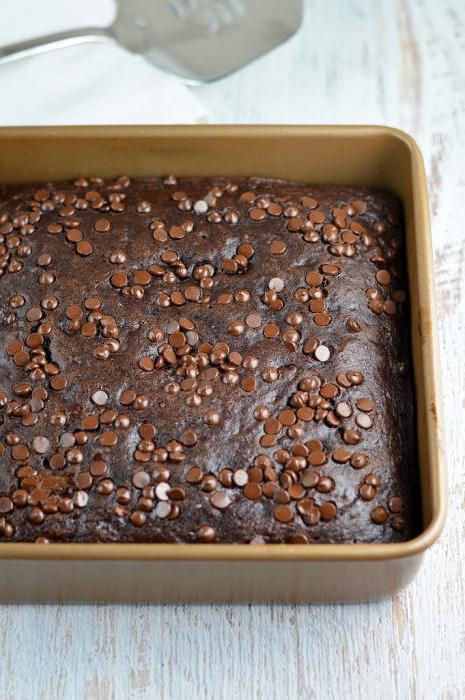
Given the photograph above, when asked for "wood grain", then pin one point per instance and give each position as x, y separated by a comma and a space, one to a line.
400, 63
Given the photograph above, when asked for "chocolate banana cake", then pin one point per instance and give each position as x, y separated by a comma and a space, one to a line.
204, 360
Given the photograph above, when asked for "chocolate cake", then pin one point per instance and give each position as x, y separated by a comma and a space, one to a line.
204, 360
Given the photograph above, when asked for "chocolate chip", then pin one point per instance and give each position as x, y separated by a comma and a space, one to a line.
322, 353
310, 479
58, 382
365, 404
359, 460
205, 534
383, 277
351, 436
36, 516
353, 326
84, 248
253, 320
328, 511
367, 492
257, 214
364, 421
40, 444
283, 514
138, 518
322, 319
252, 491
399, 523
6, 505
99, 397
220, 500
341, 455
276, 284
277, 247
314, 279
395, 504
379, 515
270, 374
343, 409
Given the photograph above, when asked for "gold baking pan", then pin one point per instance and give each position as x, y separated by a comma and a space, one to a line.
354, 155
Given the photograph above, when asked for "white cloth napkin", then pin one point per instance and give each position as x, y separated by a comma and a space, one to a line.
85, 84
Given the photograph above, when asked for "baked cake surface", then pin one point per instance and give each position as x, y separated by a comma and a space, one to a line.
204, 360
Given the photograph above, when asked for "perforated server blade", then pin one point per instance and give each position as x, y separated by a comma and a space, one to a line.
196, 40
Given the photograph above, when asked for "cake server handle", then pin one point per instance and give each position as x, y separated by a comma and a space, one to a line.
50, 42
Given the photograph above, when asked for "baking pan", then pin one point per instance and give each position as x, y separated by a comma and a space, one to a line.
353, 155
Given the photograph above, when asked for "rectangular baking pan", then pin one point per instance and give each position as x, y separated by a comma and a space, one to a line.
354, 155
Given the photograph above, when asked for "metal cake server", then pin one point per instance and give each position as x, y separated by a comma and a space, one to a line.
196, 40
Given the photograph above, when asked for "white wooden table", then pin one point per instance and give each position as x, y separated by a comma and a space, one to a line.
392, 62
